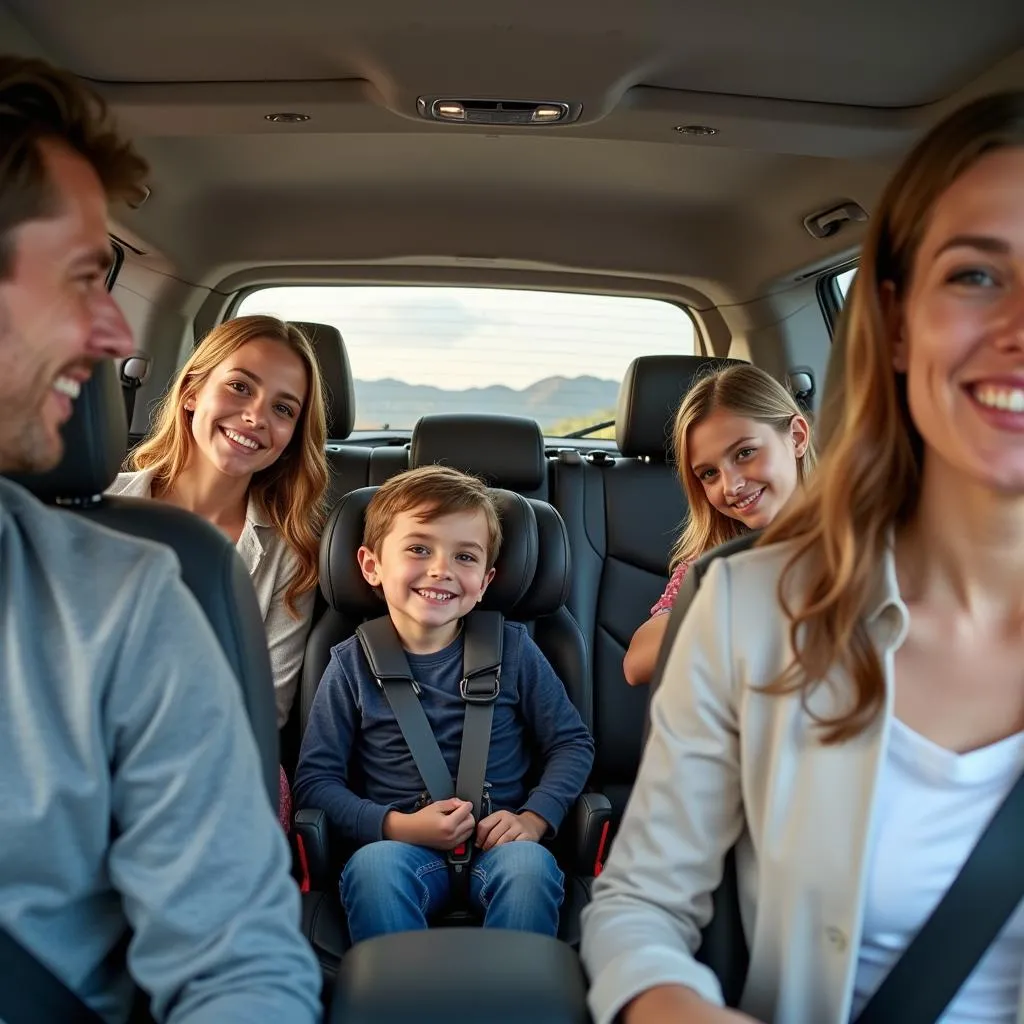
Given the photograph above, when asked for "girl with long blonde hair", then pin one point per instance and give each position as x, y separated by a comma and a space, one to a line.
844, 704
742, 448
239, 440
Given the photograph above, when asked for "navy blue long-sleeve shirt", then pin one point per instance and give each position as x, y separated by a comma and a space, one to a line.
351, 723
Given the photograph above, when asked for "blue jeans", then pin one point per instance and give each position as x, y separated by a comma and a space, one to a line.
396, 887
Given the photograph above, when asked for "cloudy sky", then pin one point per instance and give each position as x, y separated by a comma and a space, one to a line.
471, 337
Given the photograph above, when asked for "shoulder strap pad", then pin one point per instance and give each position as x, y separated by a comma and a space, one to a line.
383, 651
481, 655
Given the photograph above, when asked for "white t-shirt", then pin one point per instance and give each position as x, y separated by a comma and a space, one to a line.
933, 805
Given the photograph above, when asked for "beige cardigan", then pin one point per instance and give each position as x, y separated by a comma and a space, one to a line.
724, 764
271, 564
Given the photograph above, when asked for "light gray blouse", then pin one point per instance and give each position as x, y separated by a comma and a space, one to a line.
271, 564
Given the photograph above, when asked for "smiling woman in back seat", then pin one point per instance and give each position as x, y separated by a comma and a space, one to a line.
239, 440
742, 446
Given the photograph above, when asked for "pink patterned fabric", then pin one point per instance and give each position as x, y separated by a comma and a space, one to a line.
668, 598
284, 811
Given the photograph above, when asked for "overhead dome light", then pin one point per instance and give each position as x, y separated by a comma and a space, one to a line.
496, 112
696, 129
450, 111
547, 112
286, 117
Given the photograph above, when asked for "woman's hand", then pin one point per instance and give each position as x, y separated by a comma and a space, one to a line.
679, 1005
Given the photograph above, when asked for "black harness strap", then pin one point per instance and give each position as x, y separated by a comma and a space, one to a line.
481, 683
390, 667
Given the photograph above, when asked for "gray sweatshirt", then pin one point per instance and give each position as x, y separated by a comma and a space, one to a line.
131, 800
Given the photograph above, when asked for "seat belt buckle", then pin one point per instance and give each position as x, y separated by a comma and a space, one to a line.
460, 857
300, 849
601, 844
481, 687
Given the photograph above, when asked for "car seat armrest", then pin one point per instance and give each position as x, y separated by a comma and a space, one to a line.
593, 815
396, 978
310, 832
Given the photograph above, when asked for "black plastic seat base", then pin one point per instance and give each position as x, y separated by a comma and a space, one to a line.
437, 976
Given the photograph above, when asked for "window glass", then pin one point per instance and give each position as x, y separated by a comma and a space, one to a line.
556, 357
844, 280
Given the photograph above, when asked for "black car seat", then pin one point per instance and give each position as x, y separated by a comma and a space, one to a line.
95, 441
518, 587
508, 452
343, 462
623, 514
351, 465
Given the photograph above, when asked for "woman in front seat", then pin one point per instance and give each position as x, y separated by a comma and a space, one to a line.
845, 703
239, 440
742, 447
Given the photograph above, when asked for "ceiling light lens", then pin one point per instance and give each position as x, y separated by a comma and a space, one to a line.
547, 114
286, 117
451, 111
696, 129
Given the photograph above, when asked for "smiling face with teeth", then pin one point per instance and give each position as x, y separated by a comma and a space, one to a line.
748, 469
244, 415
960, 327
432, 571
56, 316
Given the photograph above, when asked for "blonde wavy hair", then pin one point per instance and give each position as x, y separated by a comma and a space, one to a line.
291, 491
869, 478
746, 391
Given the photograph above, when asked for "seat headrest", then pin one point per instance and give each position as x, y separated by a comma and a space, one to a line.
95, 443
550, 587
649, 398
345, 589
336, 371
506, 451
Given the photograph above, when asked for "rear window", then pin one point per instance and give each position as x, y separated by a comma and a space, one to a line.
554, 356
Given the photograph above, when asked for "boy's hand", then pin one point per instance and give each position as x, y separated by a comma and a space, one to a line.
506, 827
440, 826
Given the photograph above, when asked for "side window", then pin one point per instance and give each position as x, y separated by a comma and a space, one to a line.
115, 264
832, 291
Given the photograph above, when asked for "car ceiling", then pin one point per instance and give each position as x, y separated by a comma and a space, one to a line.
812, 103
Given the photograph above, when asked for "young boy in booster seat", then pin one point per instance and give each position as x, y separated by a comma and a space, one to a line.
431, 538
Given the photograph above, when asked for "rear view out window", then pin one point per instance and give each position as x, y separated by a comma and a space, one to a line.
556, 357
843, 282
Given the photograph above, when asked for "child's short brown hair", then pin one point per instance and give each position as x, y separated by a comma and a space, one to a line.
438, 491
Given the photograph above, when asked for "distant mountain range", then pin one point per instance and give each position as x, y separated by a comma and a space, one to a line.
389, 402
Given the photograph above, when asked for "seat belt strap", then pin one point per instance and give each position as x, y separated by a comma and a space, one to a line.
30, 993
481, 683
481, 673
390, 667
968, 919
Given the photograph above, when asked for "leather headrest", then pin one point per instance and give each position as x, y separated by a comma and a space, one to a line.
550, 587
649, 398
506, 451
95, 443
336, 371
345, 589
